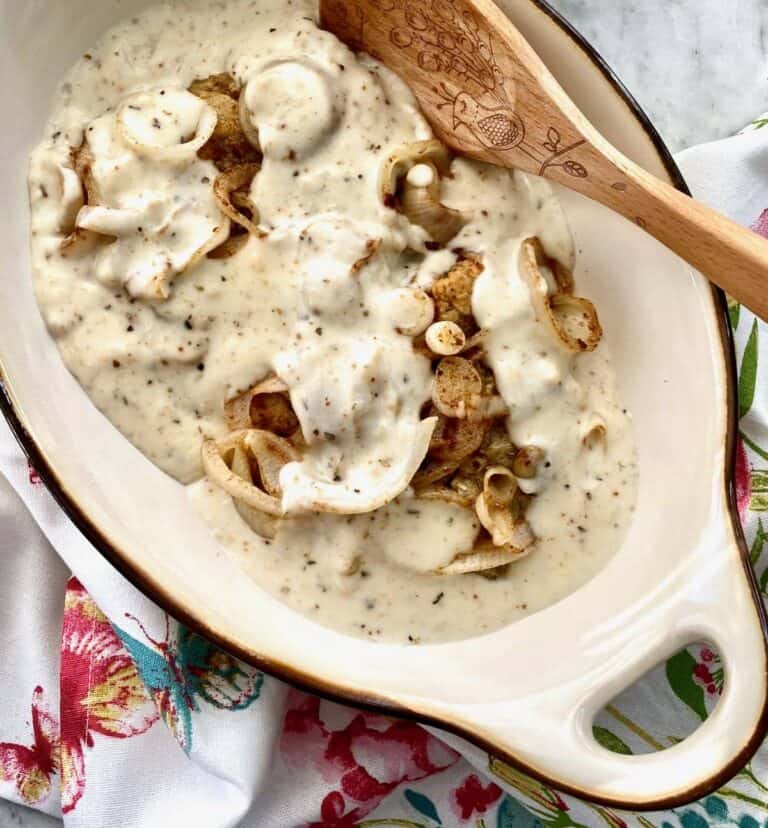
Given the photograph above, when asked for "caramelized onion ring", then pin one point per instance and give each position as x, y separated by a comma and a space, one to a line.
338, 499
260, 522
82, 158
408, 156
445, 495
595, 434
433, 472
455, 439
421, 205
572, 320
271, 454
527, 461
457, 391
238, 410
182, 152
420, 202
225, 184
220, 474
483, 558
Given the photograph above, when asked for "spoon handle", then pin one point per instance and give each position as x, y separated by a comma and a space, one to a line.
734, 258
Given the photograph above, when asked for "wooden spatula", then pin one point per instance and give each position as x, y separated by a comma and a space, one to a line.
489, 96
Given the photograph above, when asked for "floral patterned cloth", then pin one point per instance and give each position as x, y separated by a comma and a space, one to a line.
113, 714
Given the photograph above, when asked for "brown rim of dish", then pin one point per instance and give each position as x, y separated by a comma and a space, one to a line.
371, 702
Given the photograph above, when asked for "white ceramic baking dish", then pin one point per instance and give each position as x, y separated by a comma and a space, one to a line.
527, 693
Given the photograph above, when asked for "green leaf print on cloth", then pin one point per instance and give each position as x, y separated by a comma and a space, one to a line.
759, 499
748, 373
514, 815
610, 741
680, 675
423, 805
734, 312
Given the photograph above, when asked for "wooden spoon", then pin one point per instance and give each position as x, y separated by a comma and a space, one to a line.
488, 96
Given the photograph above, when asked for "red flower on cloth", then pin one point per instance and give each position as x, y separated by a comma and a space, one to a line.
101, 691
708, 673
362, 757
473, 797
34, 477
31, 769
332, 813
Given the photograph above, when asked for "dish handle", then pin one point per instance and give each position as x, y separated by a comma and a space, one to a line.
714, 600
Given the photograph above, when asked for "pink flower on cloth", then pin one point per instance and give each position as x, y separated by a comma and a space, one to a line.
472, 797
743, 481
101, 691
31, 769
761, 225
361, 756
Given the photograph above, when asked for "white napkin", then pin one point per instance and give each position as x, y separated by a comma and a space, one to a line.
137, 722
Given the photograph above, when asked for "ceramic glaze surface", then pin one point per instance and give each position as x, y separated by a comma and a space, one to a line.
528, 691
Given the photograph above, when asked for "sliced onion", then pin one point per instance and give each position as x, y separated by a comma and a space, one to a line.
434, 472
231, 247
181, 152
72, 197
483, 558
457, 387
445, 339
500, 485
572, 320
225, 185
109, 221
595, 434
475, 345
445, 495
577, 321
271, 453
261, 523
421, 205
80, 242
221, 475
496, 519
243, 201
455, 439
408, 156
82, 158
495, 508
229, 145
457, 391
371, 249
411, 310
466, 487
527, 461
419, 200
335, 498
217, 238
238, 410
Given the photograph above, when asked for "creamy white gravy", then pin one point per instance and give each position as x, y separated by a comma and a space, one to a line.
161, 336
